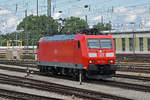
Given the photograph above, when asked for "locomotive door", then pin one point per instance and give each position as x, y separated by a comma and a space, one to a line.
77, 52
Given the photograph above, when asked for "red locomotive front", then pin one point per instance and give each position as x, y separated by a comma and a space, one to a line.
94, 55
99, 55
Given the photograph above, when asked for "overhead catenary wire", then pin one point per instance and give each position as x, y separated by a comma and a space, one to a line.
108, 13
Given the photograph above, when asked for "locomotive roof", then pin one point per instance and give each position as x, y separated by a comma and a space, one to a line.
69, 37
58, 38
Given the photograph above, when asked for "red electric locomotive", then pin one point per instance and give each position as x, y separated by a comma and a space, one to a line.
92, 55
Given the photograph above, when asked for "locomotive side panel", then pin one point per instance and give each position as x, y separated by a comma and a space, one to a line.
60, 54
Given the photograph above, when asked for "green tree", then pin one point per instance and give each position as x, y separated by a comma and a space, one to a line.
108, 26
37, 26
73, 25
99, 26
3, 39
102, 26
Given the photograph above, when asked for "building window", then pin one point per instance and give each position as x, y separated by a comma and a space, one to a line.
148, 44
115, 43
141, 43
123, 44
131, 44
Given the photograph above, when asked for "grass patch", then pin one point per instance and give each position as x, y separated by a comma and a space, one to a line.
140, 75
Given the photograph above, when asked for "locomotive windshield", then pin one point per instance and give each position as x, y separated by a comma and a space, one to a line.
99, 43
106, 43
93, 43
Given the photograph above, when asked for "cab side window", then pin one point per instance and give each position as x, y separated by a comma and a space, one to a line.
38, 46
79, 44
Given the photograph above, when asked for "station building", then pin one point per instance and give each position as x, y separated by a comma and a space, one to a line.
131, 42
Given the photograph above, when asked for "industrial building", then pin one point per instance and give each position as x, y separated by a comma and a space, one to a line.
134, 42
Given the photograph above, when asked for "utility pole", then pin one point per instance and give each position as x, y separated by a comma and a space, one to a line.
16, 7
26, 30
16, 39
134, 39
37, 7
49, 8
16, 32
102, 20
26, 13
86, 18
86, 6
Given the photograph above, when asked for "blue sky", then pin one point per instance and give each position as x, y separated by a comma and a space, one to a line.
124, 11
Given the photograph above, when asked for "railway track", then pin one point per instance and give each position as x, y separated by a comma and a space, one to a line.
31, 64
38, 73
112, 83
134, 67
57, 88
18, 69
133, 57
124, 85
139, 68
133, 77
13, 95
135, 70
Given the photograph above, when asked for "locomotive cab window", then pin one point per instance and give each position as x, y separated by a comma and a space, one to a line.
93, 43
106, 43
79, 44
99, 43
38, 46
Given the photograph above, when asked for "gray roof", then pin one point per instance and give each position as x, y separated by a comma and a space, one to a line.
59, 38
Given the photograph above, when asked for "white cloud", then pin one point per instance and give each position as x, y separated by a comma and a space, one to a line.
10, 25
97, 18
120, 10
130, 18
139, 11
129, 15
77, 14
12, 21
3, 12
147, 24
56, 15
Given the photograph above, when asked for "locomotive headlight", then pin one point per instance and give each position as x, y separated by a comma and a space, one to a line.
110, 61
91, 61
100, 51
109, 54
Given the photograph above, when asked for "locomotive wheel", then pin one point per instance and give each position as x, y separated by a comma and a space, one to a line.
84, 75
75, 74
40, 68
53, 71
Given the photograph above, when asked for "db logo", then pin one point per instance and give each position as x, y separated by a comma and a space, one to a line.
101, 54
55, 51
